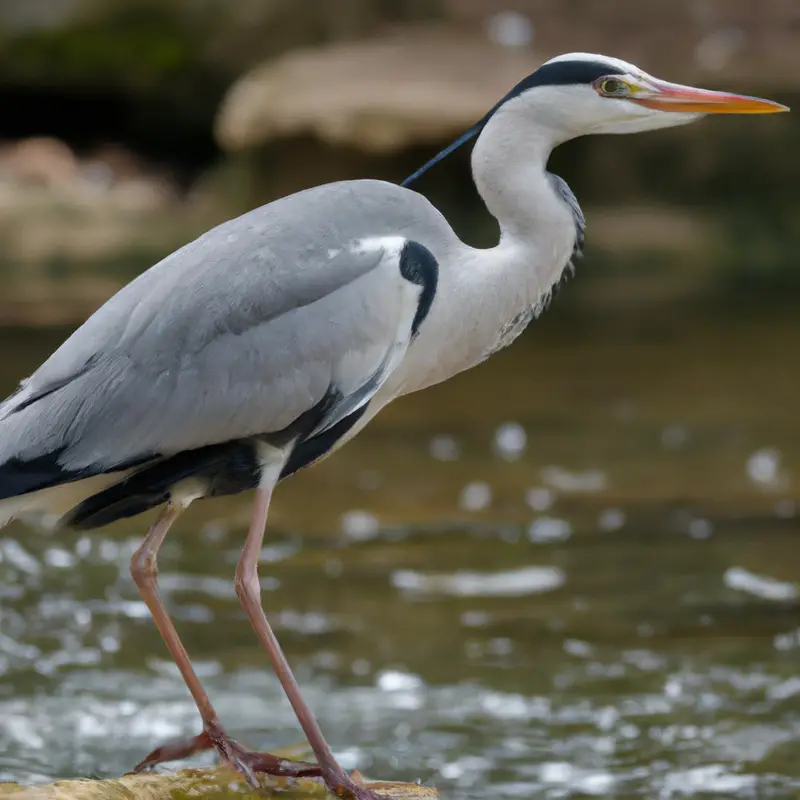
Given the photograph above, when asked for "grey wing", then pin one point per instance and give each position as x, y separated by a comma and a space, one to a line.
186, 366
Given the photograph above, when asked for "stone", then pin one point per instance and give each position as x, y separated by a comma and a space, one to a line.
419, 84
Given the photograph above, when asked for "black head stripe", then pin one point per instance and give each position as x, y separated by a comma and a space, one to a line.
557, 73
564, 73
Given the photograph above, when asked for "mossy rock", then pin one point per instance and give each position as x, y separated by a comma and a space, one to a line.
219, 784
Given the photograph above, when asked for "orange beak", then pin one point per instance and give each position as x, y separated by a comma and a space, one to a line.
665, 96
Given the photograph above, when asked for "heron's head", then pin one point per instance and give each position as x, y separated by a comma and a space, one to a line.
583, 93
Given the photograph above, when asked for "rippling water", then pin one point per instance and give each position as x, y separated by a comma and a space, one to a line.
572, 572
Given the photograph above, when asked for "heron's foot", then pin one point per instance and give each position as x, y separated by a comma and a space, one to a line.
247, 762
342, 785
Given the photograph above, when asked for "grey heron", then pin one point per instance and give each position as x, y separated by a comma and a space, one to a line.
272, 339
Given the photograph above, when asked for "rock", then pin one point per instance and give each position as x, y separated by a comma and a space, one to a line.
423, 83
220, 783
418, 84
83, 214
49, 169
40, 161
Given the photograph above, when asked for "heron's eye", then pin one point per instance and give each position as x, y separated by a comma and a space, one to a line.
613, 87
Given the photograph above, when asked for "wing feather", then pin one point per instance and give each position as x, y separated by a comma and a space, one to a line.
180, 372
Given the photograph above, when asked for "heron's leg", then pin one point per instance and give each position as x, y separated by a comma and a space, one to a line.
249, 591
144, 570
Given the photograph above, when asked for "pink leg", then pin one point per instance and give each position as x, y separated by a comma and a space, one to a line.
248, 589
145, 571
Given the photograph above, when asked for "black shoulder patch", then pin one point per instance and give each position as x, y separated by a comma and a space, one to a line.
418, 265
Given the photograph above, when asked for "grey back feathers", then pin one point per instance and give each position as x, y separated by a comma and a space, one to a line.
279, 328
236, 334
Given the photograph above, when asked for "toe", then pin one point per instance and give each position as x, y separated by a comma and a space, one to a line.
173, 751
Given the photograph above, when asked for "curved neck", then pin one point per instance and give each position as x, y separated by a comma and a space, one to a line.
509, 169
537, 227
486, 297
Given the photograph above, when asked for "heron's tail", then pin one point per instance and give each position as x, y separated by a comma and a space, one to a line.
129, 497
40, 487
50, 504
24, 484
34, 480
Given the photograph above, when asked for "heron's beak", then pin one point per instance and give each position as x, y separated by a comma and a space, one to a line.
665, 96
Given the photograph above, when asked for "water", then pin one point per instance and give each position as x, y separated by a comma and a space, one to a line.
571, 572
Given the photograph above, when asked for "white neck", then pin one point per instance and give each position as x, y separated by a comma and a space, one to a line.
509, 163
537, 227
486, 297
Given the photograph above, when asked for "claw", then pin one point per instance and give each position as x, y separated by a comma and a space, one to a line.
351, 787
243, 760
251, 764
175, 750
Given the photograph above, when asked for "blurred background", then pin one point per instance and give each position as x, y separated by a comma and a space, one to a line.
570, 572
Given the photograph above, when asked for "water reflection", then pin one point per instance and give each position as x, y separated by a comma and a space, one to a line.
506, 583
613, 612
